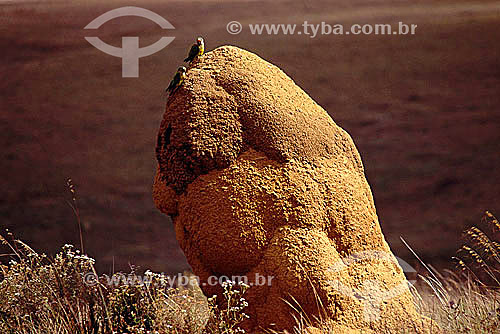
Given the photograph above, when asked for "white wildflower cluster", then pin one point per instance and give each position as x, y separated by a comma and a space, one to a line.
85, 259
228, 320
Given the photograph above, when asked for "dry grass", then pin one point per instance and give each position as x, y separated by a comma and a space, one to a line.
39, 295
458, 305
468, 301
42, 295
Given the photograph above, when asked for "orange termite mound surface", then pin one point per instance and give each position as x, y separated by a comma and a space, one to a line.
261, 183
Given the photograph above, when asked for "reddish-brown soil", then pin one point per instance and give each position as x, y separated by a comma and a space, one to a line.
423, 110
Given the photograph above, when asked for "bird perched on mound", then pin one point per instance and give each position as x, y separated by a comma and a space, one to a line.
196, 50
177, 80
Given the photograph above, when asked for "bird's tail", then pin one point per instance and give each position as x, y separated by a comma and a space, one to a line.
164, 95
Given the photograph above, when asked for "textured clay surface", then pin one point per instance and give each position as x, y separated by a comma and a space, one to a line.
258, 179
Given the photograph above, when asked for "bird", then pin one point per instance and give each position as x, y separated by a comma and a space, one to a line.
196, 50
177, 80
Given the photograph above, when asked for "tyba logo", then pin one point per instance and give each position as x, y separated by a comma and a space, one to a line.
371, 294
130, 51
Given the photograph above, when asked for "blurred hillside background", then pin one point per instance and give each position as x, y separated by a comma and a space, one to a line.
423, 110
